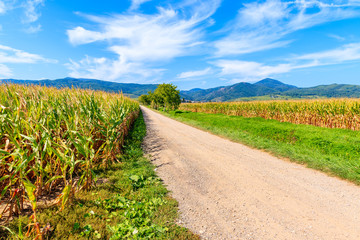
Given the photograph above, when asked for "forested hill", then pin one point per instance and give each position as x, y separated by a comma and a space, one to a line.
333, 90
131, 89
270, 87
226, 93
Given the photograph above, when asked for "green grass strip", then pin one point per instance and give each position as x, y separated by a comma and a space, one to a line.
334, 151
131, 204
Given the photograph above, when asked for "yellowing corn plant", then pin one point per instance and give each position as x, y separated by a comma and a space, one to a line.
331, 113
51, 139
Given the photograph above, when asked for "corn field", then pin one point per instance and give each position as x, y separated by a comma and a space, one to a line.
330, 113
51, 139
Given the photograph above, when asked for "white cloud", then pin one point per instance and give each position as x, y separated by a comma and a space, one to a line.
7, 5
10, 55
250, 70
262, 26
142, 41
247, 70
348, 52
135, 4
105, 69
79, 35
31, 8
142, 37
2, 7
337, 37
192, 74
34, 29
5, 71
32, 14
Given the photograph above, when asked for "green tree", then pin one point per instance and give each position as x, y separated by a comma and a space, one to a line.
145, 99
165, 96
169, 96
156, 100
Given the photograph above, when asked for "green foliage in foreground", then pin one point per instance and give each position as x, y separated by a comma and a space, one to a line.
335, 151
132, 203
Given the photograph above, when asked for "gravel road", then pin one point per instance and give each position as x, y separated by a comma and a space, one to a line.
226, 190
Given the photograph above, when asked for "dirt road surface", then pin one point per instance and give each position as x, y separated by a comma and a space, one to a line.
226, 190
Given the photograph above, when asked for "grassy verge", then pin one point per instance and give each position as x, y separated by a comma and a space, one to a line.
334, 151
132, 203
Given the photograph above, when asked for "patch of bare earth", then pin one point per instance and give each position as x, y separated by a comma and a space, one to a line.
226, 190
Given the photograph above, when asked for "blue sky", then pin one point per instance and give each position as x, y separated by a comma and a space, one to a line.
191, 43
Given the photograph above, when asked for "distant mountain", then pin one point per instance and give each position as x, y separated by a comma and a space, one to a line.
268, 89
274, 84
131, 89
239, 90
333, 90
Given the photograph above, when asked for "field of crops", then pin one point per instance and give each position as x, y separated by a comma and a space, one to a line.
331, 113
51, 140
